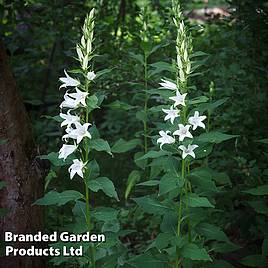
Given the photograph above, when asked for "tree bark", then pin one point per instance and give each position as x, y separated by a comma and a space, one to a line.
18, 168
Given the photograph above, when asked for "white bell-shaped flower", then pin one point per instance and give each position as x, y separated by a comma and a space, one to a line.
196, 120
91, 75
183, 132
188, 150
168, 85
66, 150
179, 99
165, 138
171, 114
69, 119
68, 81
76, 168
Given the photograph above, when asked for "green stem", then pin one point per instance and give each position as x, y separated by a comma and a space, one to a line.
188, 190
177, 263
88, 218
145, 103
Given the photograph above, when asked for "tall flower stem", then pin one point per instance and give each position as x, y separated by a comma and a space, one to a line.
144, 39
145, 102
177, 262
88, 216
183, 67
88, 220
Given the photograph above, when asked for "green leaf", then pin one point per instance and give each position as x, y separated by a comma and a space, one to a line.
219, 264
159, 67
103, 71
133, 178
200, 99
149, 183
202, 178
50, 176
198, 54
2, 184
92, 102
260, 190
104, 184
141, 115
223, 247
193, 252
56, 118
203, 150
254, 261
105, 214
54, 159
150, 205
215, 137
259, 206
137, 57
197, 201
93, 169
122, 146
147, 261
100, 145
221, 178
162, 240
265, 141
168, 183
153, 154
119, 105
211, 105
59, 199
212, 232
141, 163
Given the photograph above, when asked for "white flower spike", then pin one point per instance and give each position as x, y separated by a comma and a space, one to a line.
171, 114
188, 150
196, 120
68, 81
168, 85
76, 168
183, 132
165, 138
66, 150
69, 119
78, 133
91, 76
179, 99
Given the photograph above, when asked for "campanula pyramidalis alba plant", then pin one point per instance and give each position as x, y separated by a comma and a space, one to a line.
185, 200
79, 143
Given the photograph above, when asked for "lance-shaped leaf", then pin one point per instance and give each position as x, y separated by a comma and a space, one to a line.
104, 184
196, 201
260, 190
214, 137
150, 205
59, 199
122, 146
100, 145
133, 178
193, 252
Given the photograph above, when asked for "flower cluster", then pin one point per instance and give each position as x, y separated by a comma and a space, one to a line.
183, 130
74, 110
183, 67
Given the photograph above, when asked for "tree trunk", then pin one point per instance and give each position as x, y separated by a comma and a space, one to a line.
18, 168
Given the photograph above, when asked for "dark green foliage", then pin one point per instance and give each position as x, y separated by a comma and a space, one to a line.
228, 208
